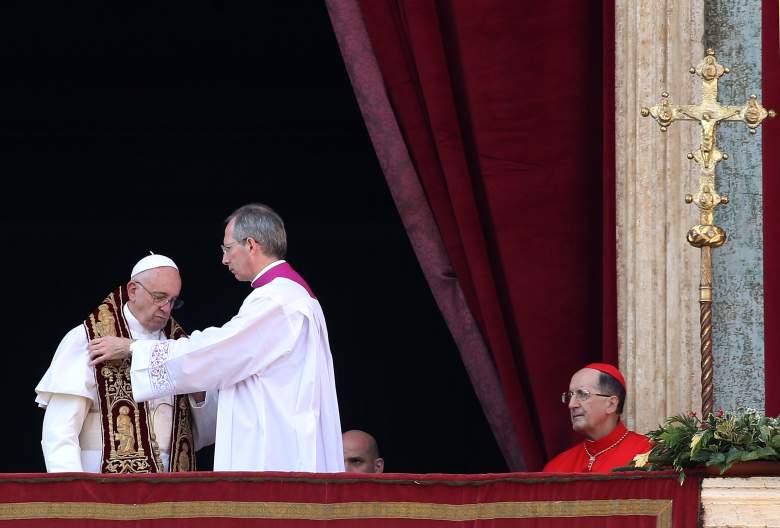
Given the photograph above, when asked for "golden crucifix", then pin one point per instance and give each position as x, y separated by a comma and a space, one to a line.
706, 235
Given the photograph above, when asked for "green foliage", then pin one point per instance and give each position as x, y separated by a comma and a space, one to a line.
720, 440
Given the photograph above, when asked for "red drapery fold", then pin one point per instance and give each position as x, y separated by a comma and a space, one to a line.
771, 162
417, 218
609, 336
504, 115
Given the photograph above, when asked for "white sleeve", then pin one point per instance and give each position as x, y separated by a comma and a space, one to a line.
69, 372
204, 418
216, 358
62, 424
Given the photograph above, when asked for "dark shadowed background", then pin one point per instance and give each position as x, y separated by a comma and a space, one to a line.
125, 129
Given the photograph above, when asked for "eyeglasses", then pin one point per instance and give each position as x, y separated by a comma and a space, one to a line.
160, 299
581, 395
228, 247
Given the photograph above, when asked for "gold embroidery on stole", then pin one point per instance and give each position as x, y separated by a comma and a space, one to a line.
129, 444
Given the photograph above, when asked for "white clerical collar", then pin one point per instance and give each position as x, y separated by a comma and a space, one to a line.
137, 330
271, 265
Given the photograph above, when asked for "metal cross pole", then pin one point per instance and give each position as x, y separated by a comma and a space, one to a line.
706, 235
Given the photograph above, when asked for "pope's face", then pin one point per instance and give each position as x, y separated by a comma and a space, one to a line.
590, 417
161, 283
236, 255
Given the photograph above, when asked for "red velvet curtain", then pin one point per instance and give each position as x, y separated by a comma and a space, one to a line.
505, 111
771, 160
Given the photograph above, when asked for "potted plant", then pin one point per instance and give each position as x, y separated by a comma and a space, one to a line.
716, 443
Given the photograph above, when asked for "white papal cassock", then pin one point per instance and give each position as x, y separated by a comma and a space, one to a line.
273, 367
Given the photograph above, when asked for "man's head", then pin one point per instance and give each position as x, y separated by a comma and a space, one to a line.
254, 238
153, 291
361, 453
595, 398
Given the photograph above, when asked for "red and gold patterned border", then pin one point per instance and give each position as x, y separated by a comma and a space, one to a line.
659, 508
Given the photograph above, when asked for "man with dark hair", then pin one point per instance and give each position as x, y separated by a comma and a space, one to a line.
361, 453
595, 398
271, 362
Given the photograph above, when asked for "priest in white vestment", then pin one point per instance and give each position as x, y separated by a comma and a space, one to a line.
72, 436
271, 362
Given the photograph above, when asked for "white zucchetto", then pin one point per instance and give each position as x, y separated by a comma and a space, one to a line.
152, 261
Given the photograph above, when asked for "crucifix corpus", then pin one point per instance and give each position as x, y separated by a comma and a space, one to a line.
706, 235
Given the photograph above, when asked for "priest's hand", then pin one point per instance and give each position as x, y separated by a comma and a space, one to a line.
108, 348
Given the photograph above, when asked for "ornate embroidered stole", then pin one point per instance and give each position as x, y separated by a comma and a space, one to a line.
129, 446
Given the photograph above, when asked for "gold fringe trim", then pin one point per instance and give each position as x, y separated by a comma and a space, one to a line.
659, 508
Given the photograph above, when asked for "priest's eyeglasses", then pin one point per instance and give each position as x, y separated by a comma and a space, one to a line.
227, 247
160, 299
581, 395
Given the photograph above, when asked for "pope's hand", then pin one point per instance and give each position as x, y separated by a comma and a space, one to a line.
108, 348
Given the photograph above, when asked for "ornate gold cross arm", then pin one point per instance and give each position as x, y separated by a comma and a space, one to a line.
666, 113
753, 113
710, 110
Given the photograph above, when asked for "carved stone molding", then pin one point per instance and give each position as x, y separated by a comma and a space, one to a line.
745, 502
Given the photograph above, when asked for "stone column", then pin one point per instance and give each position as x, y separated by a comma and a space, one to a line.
658, 272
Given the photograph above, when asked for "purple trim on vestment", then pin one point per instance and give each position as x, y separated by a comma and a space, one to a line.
285, 271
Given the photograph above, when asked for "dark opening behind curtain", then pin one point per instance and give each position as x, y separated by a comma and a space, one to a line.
503, 111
